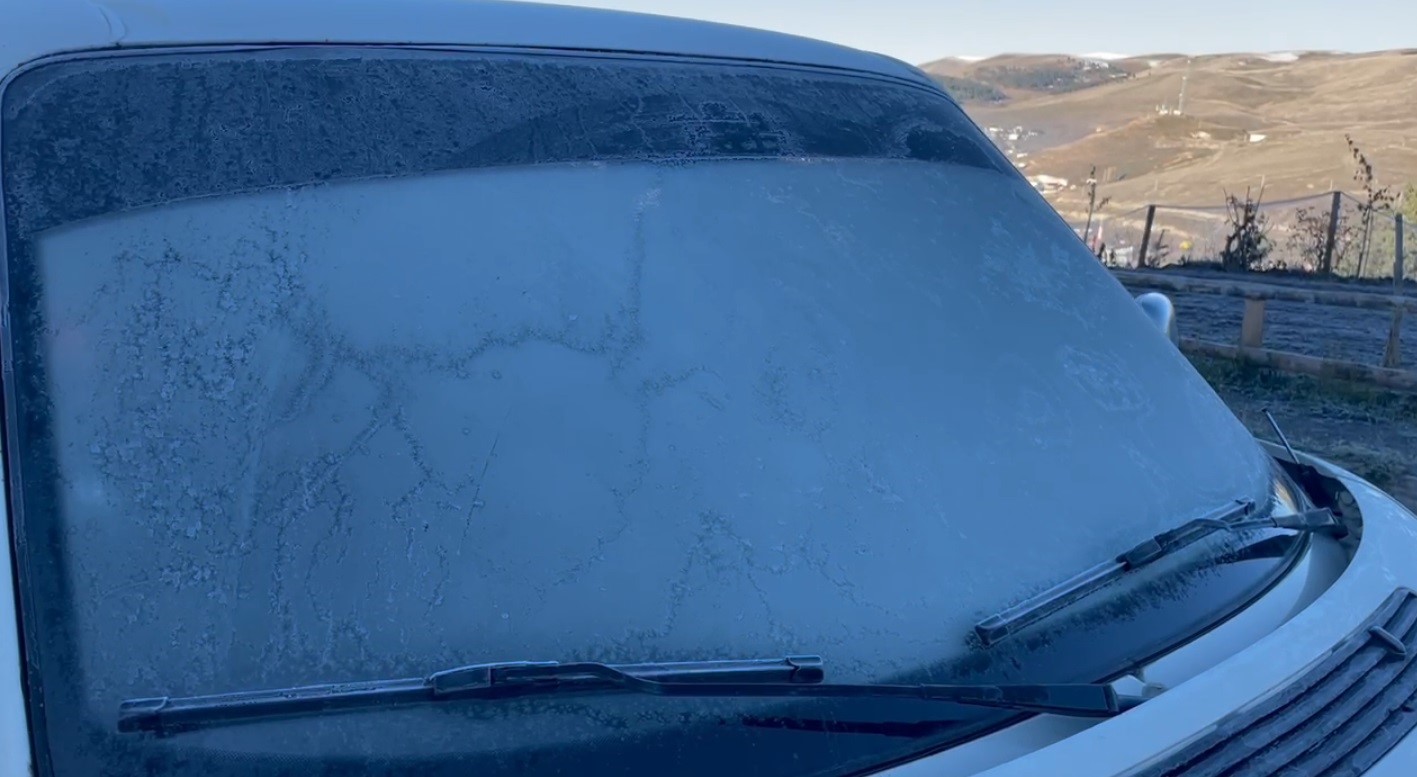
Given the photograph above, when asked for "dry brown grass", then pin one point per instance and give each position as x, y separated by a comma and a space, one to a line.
1303, 107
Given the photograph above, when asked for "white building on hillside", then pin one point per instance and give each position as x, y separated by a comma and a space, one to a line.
1048, 183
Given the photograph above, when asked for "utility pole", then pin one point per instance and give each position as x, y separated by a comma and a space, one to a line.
1093, 205
1181, 102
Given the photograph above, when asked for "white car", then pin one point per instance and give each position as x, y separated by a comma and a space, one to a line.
463, 388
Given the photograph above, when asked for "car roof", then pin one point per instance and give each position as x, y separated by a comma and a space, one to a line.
36, 28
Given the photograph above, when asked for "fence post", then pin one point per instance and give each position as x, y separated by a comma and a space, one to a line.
1399, 278
1326, 266
1392, 356
1252, 326
1146, 236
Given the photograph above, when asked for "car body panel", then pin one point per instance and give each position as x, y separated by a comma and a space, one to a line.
36, 28
14, 728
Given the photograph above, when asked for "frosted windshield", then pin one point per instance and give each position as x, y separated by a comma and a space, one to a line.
331, 365
740, 408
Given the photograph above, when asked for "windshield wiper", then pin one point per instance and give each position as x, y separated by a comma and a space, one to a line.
1233, 517
787, 677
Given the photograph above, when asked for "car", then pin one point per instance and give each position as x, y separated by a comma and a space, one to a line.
443, 388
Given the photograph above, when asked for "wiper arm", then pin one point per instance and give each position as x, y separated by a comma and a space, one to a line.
478, 681
1233, 517
787, 677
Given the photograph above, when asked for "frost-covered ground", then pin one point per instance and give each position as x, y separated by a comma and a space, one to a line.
1329, 332
1368, 431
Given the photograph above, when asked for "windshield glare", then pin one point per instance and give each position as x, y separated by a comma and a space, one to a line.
582, 406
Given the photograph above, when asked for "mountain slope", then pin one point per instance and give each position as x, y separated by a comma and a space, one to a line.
1245, 118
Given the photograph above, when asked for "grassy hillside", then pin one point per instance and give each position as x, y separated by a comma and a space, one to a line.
1246, 118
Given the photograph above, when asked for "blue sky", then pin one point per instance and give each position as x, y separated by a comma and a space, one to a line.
921, 30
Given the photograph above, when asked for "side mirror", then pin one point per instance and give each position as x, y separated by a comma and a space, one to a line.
1162, 312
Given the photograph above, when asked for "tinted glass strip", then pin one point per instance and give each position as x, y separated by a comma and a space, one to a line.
283, 118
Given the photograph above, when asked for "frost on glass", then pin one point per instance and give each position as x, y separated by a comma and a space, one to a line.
592, 412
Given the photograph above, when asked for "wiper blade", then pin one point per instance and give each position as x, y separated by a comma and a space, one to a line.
477, 681
1231, 518
795, 676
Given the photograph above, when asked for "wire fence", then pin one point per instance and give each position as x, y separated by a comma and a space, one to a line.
1330, 234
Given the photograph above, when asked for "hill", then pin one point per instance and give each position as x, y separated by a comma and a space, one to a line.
1242, 119
1012, 76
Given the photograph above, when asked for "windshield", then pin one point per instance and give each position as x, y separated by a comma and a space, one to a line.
333, 365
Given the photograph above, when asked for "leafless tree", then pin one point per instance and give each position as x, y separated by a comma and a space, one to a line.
1248, 243
1309, 236
1375, 199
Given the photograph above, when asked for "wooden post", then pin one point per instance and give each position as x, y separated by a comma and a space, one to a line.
1399, 278
1392, 355
1252, 327
1326, 265
1146, 235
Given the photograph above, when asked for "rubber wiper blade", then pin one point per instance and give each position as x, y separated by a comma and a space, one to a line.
1237, 516
795, 676
164, 714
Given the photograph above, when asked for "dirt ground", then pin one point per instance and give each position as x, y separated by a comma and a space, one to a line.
1369, 431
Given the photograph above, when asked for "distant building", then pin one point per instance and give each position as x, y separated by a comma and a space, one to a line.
1048, 184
